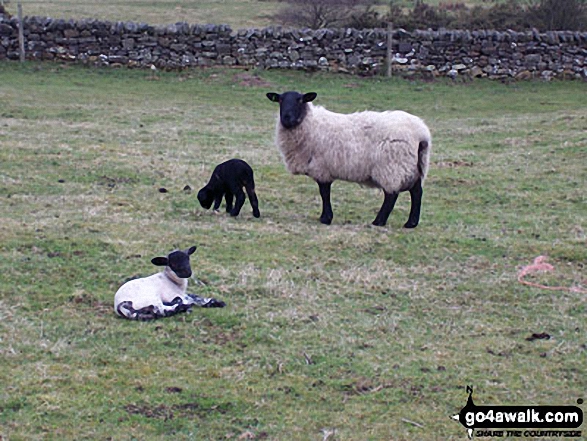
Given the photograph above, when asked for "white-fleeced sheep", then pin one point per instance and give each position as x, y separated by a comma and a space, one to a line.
162, 294
388, 150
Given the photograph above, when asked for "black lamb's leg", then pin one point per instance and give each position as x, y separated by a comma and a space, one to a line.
386, 208
250, 189
327, 215
239, 196
228, 197
416, 196
217, 202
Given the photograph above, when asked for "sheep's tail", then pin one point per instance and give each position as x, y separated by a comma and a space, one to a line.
423, 158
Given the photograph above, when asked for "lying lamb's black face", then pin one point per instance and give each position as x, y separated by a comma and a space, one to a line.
206, 198
178, 261
292, 107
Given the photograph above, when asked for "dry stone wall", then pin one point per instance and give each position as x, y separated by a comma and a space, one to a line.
454, 53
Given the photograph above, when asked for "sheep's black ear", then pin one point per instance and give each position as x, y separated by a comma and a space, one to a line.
191, 250
159, 261
311, 96
273, 97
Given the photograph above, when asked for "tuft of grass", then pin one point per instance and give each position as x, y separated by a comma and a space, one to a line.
348, 328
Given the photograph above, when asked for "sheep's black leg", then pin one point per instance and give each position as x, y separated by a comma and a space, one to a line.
206, 302
416, 196
250, 188
240, 197
146, 313
327, 215
177, 305
228, 197
386, 208
217, 201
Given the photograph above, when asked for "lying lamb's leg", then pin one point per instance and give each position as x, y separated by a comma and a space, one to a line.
386, 208
228, 197
206, 302
147, 313
176, 306
250, 188
126, 309
416, 196
327, 215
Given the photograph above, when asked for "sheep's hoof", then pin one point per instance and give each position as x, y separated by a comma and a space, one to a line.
256, 214
411, 224
213, 303
378, 223
326, 220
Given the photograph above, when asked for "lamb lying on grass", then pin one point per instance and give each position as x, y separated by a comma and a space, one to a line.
228, 180
388, 150
162, 294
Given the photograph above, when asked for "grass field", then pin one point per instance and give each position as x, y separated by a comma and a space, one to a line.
359, 332
239, 14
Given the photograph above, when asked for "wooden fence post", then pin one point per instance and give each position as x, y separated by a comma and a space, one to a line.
389, 47
20, 33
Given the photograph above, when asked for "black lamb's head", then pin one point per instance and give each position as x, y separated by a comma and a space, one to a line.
205, 197
292, 107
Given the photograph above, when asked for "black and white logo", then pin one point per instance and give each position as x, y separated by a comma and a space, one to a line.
520, 421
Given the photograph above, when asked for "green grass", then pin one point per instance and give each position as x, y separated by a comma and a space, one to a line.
394, 322
237, 13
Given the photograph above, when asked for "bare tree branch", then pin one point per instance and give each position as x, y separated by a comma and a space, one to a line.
318, 14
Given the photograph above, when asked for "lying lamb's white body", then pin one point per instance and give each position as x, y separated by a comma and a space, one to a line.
380, 149
162, 294
152, 291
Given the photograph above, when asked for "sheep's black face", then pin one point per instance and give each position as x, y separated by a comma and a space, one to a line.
292, 107
206, 198
178, 262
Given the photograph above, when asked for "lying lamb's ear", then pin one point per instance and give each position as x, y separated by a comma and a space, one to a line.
159, 261
311, 96
273, 97
191, 250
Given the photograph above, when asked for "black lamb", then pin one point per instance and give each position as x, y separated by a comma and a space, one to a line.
228, 180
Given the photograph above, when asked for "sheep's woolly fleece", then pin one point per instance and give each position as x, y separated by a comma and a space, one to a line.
540, 265
328, 146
